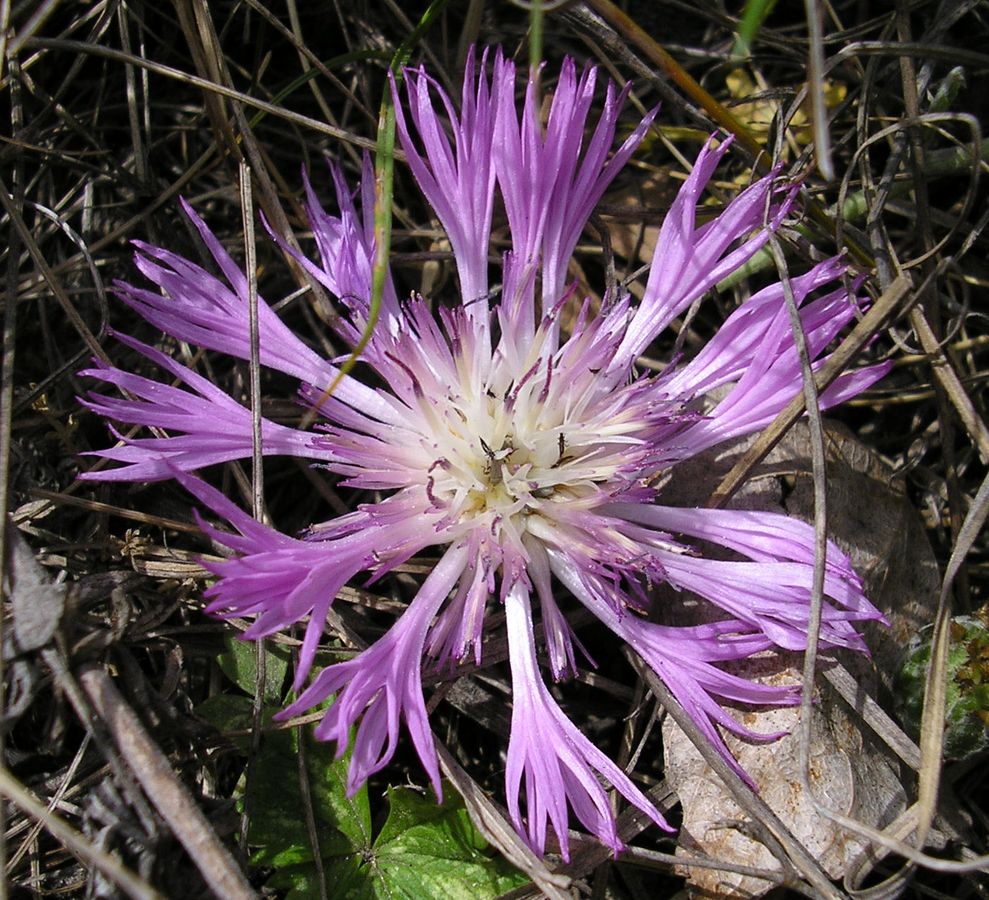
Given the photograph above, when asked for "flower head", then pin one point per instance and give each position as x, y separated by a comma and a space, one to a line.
525, 459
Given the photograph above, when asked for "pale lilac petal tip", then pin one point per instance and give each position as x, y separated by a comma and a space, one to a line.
212, 427
382, 685
558, 765
457, 175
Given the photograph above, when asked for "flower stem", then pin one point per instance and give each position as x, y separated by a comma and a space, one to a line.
384, 173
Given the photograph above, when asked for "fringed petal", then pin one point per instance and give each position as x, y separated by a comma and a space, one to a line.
559, 765
457, 177
214, 427
193, 305
384, 683
690, 260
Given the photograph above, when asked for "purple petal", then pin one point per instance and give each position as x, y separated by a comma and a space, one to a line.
214, 427
194, 306
559, 764
383, 683
688, 261
457, 180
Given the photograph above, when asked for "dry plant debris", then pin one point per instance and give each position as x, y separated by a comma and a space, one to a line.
117, 777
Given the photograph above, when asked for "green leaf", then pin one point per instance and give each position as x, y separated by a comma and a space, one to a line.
431, 850
344, 878
754, 15
424, 849
278, 828
947, 91
239, 663
278, 832
226, 713
966, 726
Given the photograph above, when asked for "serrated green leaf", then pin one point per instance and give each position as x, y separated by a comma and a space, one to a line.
239, 663
278, 832
343, 824
424, 850
427, 849
409, 811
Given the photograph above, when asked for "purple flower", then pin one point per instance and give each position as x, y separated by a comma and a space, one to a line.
522, 458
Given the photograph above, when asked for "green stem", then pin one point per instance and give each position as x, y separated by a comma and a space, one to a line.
535, 36
384, 172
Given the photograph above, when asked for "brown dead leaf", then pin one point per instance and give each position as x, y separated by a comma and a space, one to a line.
37, 605
848, 773
850, 770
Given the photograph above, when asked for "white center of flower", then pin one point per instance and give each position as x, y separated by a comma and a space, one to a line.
496, 457
520, 445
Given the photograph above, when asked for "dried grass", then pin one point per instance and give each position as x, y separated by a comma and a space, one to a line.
117, 109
